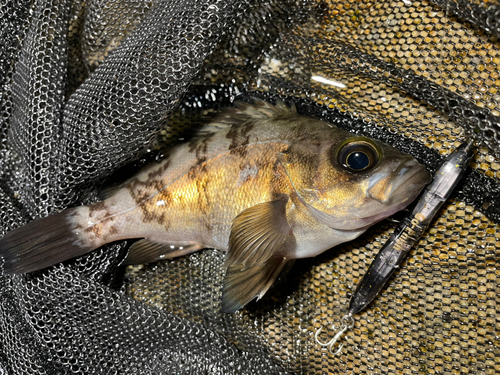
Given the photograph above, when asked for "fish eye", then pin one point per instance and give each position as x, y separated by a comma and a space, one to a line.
358, 155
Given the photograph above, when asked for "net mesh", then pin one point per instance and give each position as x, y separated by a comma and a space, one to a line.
90, 87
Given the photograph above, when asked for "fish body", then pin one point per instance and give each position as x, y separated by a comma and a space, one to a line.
261, 182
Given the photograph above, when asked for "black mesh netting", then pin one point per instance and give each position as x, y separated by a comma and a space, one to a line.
88, 87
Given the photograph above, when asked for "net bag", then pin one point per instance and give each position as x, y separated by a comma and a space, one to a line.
91, 91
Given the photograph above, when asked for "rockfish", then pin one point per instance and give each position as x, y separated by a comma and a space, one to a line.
261, 182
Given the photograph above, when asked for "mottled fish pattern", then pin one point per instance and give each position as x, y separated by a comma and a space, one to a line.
261, 182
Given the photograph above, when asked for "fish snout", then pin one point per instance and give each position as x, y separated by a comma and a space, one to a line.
403, 184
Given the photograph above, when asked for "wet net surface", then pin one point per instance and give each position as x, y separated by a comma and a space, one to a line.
88, 87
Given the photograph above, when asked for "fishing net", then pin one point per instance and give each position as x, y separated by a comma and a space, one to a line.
91, 90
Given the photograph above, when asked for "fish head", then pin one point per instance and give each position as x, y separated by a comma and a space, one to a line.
350, 182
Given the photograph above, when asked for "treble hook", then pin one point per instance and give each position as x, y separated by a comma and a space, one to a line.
346, 323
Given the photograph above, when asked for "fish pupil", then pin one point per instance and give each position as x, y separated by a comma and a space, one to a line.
358, 160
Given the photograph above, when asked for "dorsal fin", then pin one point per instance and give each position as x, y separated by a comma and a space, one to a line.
243, 113
258, 110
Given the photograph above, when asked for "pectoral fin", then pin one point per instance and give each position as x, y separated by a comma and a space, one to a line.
147, 251
241, 285
260, 244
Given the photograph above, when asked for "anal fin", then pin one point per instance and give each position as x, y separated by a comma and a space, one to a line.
147, 251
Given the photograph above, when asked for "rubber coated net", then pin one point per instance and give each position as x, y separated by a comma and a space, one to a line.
89, 87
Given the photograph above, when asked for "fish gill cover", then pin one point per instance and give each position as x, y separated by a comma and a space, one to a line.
90, 87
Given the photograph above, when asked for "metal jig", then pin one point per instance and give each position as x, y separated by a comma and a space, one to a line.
347, 323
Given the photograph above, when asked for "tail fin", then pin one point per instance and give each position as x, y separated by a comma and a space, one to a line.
42, 243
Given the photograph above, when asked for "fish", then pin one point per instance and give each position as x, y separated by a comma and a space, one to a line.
260, 182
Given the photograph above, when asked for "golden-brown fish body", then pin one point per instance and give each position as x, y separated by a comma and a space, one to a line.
185, 201
261, 182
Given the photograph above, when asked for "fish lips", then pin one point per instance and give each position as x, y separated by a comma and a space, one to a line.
405, 192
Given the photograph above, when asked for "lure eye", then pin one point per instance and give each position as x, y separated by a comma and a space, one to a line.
358, 156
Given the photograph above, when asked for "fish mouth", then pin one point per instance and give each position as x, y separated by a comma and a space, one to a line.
414, 182
404, 190
407, 176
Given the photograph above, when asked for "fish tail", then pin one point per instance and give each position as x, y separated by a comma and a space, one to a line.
43, 243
